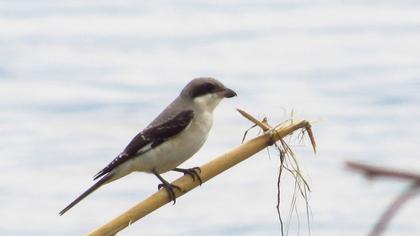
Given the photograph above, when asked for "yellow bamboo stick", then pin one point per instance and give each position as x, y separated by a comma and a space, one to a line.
208, 171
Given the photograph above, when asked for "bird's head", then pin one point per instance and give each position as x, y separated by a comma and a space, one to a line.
206, 93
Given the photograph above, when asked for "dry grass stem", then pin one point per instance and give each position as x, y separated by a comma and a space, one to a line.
288, 162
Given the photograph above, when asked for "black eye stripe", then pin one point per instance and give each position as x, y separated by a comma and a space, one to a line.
203, 89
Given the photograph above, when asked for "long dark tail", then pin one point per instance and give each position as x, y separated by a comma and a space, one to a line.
98, 184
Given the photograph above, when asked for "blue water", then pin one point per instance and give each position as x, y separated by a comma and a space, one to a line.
79, 79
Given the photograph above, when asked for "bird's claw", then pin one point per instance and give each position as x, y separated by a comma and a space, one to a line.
170, 190
193, 172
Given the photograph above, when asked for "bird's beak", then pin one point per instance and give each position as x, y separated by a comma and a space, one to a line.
227, 93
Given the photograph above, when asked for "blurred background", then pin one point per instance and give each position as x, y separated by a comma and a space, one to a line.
78, 79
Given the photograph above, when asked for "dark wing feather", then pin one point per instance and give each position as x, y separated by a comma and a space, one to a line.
153, 135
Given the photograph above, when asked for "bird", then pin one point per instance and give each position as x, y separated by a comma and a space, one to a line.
174, 136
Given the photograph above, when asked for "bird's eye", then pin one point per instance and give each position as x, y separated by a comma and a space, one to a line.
203, 89
209, 87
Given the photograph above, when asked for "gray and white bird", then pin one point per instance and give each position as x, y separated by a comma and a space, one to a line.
170, 139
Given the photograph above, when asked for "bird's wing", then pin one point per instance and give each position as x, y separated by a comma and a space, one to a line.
150, 137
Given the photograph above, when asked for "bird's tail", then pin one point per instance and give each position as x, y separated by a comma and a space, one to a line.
98, 184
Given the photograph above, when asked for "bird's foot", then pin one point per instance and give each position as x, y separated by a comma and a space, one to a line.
170, 190
193, 172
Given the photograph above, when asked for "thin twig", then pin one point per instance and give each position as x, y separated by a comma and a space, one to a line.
282, 156
390, 212
372, 172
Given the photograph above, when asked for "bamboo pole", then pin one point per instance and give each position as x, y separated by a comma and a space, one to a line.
208, 171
